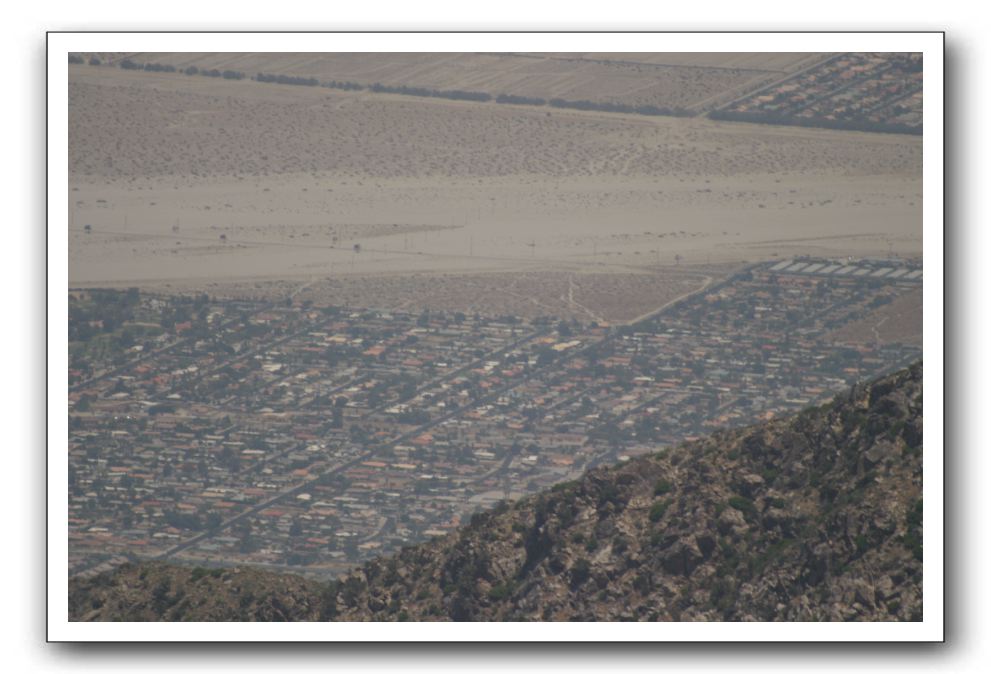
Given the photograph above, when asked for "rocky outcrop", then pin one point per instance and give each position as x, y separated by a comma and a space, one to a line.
813, 517
157, 591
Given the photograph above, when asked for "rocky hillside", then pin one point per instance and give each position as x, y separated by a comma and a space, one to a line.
813, 517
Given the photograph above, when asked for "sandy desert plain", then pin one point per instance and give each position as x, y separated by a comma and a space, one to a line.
243, 188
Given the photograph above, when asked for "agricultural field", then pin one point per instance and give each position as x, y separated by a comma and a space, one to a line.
675, 81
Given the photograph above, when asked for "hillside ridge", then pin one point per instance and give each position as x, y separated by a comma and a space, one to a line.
816, 516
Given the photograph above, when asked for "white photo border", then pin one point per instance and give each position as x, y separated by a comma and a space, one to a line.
930, 629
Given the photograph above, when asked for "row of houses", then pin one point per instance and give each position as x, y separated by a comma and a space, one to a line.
881, 88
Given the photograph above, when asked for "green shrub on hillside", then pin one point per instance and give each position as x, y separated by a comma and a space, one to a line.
657, 510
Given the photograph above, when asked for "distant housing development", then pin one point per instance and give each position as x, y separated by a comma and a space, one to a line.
292, 436
862, 91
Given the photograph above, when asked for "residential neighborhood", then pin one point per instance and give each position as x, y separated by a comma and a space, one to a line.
291, 436
869, 91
